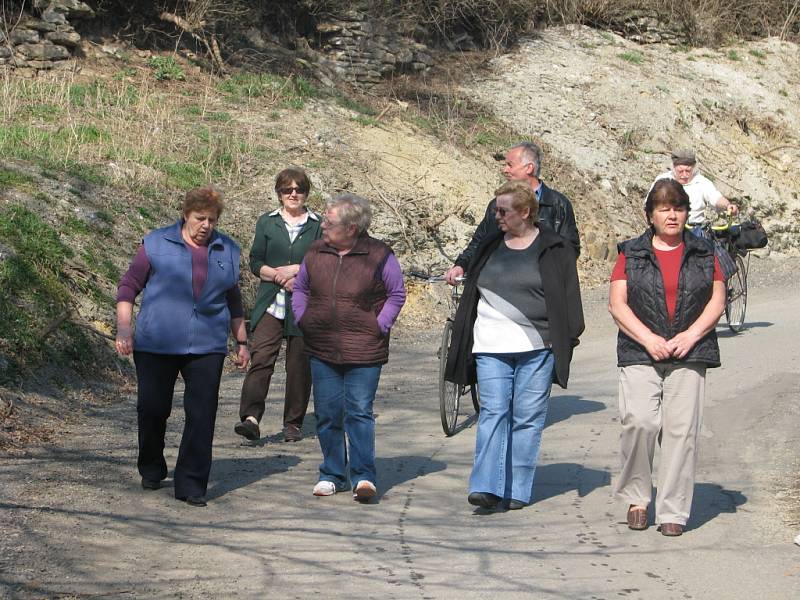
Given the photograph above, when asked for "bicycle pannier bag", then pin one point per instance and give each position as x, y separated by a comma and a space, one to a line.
751, 235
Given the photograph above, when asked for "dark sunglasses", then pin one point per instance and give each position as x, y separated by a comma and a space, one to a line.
288, 190
502, 211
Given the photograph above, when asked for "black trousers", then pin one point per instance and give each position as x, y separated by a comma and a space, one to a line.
156, 374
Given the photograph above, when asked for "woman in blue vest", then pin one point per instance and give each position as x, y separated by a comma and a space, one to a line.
667, 294
188, 274
281, 240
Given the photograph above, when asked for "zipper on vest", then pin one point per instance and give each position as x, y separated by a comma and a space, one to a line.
333, 299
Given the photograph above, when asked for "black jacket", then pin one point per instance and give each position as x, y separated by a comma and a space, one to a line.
647, 299
555, 211
562, 296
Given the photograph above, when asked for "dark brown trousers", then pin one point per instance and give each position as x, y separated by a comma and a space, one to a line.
265, 346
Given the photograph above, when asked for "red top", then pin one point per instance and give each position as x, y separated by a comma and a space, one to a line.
669, 263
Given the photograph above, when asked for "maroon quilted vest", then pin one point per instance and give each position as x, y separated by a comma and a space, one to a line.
346, 293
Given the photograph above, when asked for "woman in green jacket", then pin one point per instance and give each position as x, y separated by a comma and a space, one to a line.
282, 238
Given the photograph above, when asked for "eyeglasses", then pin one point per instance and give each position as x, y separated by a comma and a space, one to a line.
329, 223
288, 190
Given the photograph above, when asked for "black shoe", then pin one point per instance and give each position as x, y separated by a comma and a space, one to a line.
151, 484
483, 499
194, 500
248, 429
516, 504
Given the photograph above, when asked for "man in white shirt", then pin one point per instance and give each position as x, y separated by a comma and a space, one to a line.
701, 191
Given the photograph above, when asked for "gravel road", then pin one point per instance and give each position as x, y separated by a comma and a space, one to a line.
76, 524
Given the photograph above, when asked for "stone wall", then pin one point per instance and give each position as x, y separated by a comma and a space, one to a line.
363, 51
647, 27
44, 38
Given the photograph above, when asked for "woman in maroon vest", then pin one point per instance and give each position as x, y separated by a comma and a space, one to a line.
347, 295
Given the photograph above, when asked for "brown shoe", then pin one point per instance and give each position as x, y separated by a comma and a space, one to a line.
671, 529
292, 433
637, 518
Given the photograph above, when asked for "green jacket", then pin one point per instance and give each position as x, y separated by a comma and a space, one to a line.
271, 247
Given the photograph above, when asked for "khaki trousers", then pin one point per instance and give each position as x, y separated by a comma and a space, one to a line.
664, 404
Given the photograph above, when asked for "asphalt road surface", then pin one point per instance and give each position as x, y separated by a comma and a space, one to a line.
75, 523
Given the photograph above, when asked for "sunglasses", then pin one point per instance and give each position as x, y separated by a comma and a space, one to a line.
502, 211
288, 190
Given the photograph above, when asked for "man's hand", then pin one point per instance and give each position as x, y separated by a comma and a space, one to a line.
453, 274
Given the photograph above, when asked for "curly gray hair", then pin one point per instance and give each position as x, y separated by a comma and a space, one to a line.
352, 210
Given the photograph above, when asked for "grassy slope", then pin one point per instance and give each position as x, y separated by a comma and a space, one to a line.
90, 163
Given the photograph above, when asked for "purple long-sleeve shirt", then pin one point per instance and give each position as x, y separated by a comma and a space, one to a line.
392, 276
134, 280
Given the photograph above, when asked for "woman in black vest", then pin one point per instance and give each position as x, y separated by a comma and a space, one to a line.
667, 294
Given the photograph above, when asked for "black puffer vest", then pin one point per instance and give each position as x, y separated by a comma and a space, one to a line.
647, 299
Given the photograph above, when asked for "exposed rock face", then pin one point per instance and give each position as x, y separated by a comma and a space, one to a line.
42, 43
362, 50
648, 27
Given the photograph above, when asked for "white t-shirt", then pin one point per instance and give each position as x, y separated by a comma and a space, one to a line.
701, 193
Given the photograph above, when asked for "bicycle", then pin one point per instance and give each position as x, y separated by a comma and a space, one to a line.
735, 285
450, 394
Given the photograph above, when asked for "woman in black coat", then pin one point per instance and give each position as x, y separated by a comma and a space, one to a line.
519, 319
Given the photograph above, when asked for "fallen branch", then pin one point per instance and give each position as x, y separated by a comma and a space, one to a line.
54, 324
400, 218
184, 25
781, 147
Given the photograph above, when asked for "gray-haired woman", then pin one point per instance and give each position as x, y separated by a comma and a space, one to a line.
347, 295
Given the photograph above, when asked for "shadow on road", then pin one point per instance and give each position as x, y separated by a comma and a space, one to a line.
228, 474
560, 478
723, 331
710, 500
395, 470
563, 407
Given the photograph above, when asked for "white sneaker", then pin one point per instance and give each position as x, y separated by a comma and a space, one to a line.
364, 491
324, 488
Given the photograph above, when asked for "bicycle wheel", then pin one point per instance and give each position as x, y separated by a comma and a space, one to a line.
449, 393
476, 398
736, 300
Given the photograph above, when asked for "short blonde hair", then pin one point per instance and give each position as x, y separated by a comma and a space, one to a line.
522, 197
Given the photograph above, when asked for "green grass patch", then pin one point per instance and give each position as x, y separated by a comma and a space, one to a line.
288, 92
733, 55
221, 117
15, 179
783, 93
637, 58
365, 121
355, 106
165, 68
757, 53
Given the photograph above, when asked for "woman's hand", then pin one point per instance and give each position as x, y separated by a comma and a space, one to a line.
682, 343
124, 341
657, 347
242, 356
284, 274
289, 285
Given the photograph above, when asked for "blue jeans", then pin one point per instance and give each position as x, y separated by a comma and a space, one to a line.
515, 390
343, 397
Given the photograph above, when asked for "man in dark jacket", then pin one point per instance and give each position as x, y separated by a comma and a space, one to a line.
523, 162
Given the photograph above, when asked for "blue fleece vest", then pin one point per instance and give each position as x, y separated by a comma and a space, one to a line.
170, 321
